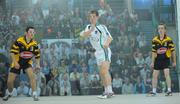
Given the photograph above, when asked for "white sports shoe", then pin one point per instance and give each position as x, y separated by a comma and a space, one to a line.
35, 98
103, 96
106, 95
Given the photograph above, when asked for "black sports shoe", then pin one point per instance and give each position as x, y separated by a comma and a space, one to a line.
6, 97
168, 93
151, 94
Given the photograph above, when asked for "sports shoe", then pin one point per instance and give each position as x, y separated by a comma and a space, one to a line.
168, 93
151, 94
109, 95
106, 95
6, 97
35, 98
103, 96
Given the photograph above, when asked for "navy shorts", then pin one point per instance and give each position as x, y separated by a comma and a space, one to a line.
22, 67
161, 64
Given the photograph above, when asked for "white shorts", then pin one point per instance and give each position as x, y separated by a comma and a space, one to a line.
103, 55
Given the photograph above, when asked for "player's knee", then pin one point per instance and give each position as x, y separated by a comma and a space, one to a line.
103, 72
166, 75
30, 74
32, 77
155, 75
10, 81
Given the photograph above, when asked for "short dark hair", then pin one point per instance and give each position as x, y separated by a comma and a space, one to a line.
29, 27
94, 12
163, 25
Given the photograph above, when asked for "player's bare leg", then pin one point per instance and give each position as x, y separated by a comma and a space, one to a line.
154, 82
10, 85
106, 79
168, 81
32, 79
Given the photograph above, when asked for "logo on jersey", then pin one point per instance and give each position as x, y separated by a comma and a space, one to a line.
161, 50
26, 54
94, 39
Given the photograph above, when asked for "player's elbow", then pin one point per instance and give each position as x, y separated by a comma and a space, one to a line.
110, 39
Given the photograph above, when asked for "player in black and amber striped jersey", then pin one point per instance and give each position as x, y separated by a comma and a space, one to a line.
163, 49
22, 52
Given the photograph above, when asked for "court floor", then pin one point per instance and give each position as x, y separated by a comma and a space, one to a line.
117, 99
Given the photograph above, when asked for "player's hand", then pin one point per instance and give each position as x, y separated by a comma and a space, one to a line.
174, 64
37, 68
152, 66
16, 65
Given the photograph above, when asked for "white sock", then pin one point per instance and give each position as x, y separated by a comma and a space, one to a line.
9, 93
34, 93
169, 89
109, 89
106, 89
154, 90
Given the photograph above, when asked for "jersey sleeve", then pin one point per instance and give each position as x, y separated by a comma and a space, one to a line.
37, 52
15, 48
154, 46
171, 46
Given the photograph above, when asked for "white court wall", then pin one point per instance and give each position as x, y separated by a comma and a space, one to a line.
178, 42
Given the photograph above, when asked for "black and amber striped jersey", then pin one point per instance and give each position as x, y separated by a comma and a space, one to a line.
163, 48
24, 52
